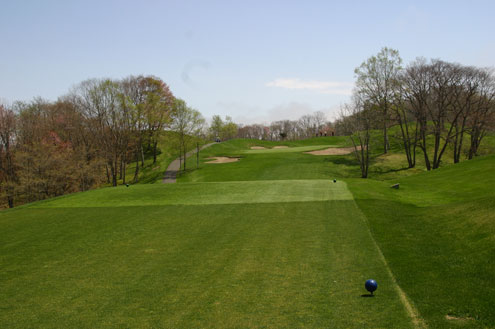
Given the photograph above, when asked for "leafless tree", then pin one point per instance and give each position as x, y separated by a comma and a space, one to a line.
187, 123
100, 102
377, 79
432, 92
307, 125
357, 119
482, 116
319, 119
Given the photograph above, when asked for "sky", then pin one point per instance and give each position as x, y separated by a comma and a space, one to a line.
256, 61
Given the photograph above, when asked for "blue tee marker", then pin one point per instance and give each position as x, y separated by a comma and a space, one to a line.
371, 285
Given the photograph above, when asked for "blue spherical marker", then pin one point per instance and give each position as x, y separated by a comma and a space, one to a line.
371, 285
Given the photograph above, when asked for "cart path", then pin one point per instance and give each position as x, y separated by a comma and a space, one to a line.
174, 167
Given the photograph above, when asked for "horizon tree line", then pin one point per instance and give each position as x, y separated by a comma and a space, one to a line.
308, 125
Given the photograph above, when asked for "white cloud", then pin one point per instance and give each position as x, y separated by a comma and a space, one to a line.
322, 87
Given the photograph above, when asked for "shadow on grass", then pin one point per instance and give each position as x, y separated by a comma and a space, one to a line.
367, 295
342, 161
389, 170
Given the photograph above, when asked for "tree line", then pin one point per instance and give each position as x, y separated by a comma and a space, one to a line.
89, 136
438, 106
309, 125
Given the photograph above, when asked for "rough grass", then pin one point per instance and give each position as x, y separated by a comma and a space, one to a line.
437, 232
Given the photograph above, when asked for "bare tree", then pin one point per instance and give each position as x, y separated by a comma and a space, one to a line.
357, 119
100, 102
409, 127
465, 99
319, 120
432, 92
377, 79
482, 115
187, 123
307, 125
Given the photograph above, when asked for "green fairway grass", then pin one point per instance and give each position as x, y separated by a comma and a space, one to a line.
273, 164
205, 193
269, 241
258, 263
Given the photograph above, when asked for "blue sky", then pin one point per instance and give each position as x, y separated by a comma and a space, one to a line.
256, 61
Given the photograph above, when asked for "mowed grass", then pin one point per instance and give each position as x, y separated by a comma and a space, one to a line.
266, 242
92, 261
273, 164
205, 193
437, 232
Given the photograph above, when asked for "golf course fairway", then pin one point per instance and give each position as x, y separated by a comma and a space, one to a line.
244, 248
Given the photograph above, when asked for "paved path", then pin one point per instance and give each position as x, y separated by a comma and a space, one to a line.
174, 167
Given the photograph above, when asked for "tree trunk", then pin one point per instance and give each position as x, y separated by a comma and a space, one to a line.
406, 139
10, 201
155, 143
180, 157
427, 159
459, 138
124, 165
142, 155
136, 172
385, 137
185, 157
113, 172
423, 146
108, 174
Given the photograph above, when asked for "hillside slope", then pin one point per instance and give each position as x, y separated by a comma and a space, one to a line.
438, 234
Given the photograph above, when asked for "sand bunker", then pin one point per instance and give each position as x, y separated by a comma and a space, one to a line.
333, 151
222, 160
281, 147
258, 148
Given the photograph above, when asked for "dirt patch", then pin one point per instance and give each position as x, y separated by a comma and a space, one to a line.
222, 160
333, 151
456, 318
258, 148
281, 147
